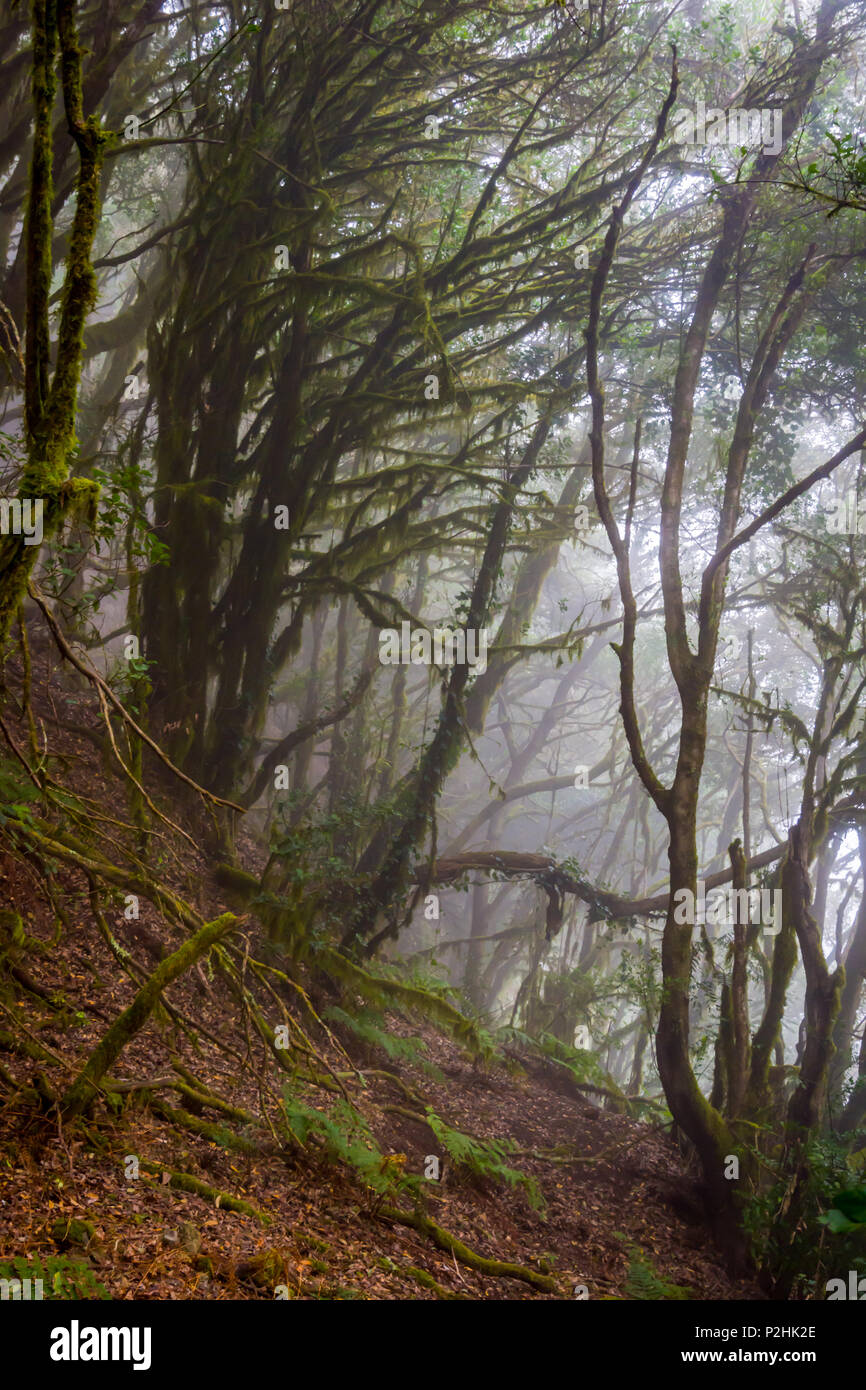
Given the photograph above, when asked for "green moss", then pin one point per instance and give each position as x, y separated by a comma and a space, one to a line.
454, 1247
185, 1182
306, 1242
266, 1269
72, 1231
428, 1282
11, 930
50, 409
85, 1088
244, 886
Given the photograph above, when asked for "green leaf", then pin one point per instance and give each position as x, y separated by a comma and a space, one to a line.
835, 1221
852, 1203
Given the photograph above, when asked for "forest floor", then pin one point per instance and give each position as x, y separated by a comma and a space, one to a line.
622, 1217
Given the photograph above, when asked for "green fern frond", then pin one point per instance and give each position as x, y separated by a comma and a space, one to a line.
484, 1158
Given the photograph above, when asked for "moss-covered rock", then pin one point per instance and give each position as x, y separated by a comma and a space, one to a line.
190, 1237
73, 1230
265, 1269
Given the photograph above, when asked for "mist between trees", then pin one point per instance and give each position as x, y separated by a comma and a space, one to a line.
445, 428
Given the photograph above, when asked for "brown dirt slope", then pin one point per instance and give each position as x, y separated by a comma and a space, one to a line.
622, 1217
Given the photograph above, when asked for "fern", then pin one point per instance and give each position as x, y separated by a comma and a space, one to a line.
344, 1137
369, 1027
61, 1277
643, 1281
582, 1064
484, 1158
386, 992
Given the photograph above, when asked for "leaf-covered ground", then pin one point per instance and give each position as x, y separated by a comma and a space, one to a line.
621, 1216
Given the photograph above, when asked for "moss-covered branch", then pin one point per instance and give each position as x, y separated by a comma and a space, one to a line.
427, 1281
453, 1246
85, 1088
185, 1182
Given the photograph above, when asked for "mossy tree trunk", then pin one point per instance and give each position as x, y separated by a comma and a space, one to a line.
50, 398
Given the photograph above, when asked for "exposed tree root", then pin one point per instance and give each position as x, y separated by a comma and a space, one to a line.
428, 1282
402, 1086
185, 1182
217, 1134
499, 1268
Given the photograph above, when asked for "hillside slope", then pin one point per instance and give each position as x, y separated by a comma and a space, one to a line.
576, 1202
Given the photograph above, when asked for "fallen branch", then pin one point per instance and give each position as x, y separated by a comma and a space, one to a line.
217, 1134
